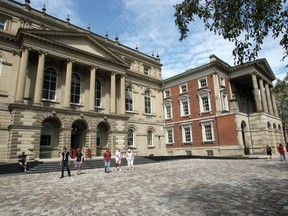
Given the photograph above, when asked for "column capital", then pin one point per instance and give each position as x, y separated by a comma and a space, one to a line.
43, 52
214, 73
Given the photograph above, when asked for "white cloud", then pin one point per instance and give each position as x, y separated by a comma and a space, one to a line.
150, 25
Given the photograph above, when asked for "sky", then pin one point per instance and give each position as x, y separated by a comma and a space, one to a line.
149, 25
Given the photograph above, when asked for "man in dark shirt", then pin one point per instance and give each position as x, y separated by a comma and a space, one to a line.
65, 162
22, 161
107, 159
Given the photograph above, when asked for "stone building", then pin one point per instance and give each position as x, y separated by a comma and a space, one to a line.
62, 85
217, 109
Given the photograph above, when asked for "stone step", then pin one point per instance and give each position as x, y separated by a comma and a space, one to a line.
54, 166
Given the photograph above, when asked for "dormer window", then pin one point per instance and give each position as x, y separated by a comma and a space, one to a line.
202, 83
183, 88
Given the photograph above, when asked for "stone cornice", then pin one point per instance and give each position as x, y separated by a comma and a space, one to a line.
69, 48
55, 111
147, 78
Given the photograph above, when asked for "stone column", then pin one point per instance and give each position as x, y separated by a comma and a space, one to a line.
92, 89
274, 105
113, 93
68, 84
39, 79
256, 93
217, 91
270, 108
20, 89
263, 96
122, 94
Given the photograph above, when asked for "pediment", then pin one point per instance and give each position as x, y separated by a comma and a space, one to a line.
82, 42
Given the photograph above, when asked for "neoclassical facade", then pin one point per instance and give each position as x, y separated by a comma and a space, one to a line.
61, 85
217, 109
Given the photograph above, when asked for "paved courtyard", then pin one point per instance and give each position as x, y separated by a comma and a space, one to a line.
181, 187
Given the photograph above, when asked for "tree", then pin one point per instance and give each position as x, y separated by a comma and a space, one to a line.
280, 90
245, 22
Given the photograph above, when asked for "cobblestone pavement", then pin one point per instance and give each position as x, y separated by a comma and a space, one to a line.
183, 187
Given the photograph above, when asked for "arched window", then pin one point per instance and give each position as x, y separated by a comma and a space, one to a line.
147, 102
49, 84
98, 93
130, 138
150, 138
129, 99
75, 89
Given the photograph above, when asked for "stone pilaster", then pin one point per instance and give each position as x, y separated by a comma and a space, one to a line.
113, 93
68, 84
256, 93
39, 79
270, 108
122, 94
263, 96
20, 89
92, 89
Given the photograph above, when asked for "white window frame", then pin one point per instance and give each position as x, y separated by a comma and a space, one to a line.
133, 137
98, 90
166, 105
204, 126
224, 100
182, 100
184, 129
131, 105
50, 90
150, 137
75, 87
201, 96
169, 131
167, 93
147, 101
200, 83
183, 88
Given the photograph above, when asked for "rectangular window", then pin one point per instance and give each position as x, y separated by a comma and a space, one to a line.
202, 83
205, 103
168, 111
146, 71
183, 88
169, 136
207, 131
185, 108
167, 93
186, 133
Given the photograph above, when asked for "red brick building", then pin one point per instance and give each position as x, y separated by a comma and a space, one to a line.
217, 109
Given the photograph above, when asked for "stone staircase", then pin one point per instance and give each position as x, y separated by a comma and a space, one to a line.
54, 166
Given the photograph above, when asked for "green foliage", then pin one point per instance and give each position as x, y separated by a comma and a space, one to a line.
244, 22
280, 91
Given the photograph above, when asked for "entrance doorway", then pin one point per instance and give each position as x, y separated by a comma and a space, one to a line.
102, 138
78, 135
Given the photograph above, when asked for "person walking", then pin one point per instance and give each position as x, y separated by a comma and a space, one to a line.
78, 160
65, 162
269, 151
282, 152
107, 160
22, 161
118, 158
130, 159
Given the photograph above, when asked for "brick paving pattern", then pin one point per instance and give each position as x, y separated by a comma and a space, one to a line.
192, 187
